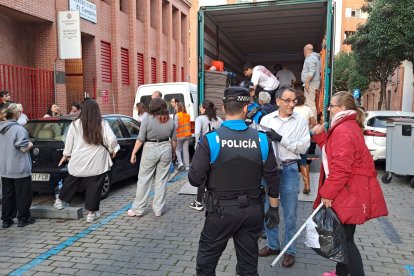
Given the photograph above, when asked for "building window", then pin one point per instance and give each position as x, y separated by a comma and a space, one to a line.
125, 66
164, 72
106, 65
348, 34
153, 14
165, 17
140, 10
183, 28
175, 14
174, 73
123, 5
357, 13
153, 70
140, 65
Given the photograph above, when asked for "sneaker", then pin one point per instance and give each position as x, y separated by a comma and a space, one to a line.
7, 223
196, 206
58, 204
331, 273
131, 213
92, 216
159, 214
180, 166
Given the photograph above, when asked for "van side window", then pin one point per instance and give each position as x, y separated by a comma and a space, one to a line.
168, 97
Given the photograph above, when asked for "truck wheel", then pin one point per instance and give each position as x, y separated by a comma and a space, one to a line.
386, 178
106, 187
412, 182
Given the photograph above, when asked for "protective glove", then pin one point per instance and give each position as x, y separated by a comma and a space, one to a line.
273, 135
272, 217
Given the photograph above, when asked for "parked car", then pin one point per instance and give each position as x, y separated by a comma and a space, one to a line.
375, 130
48, 138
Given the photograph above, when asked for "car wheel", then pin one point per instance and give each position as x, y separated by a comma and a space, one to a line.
386, 178
412, 182
106, 187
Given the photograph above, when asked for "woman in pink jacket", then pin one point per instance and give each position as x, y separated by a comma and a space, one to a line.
348, 180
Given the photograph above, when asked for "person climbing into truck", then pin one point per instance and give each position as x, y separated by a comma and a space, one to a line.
254, 111
262, 77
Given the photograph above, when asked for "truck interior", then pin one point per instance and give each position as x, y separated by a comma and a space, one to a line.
266, 33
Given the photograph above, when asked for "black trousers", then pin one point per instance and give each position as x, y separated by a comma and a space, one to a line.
17, 198
244, 225
93, 185
355, 266
200, 192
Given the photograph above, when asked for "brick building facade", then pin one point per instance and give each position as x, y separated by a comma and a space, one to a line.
133, 42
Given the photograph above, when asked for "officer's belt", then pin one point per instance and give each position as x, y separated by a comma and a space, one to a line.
241, 200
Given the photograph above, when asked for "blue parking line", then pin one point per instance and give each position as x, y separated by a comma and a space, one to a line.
70, 241
410, 269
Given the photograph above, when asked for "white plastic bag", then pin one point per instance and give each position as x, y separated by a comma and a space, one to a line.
311, 235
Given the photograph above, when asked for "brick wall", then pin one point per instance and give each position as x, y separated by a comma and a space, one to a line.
28, 37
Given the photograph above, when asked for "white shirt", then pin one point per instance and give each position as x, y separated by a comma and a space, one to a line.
285, 77
295, 135
264, 78
86, 159
140, 118
304, 111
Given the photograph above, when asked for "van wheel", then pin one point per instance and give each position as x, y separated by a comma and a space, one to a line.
386, 178
106, 186
412, 182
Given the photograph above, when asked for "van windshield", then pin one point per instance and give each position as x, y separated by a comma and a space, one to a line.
167, 98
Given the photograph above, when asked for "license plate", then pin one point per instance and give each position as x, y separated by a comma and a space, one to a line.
40, 177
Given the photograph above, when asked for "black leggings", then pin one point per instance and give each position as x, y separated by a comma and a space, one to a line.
200, 192
355, 266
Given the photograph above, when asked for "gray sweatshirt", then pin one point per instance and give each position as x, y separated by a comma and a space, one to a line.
312, 68
13, 162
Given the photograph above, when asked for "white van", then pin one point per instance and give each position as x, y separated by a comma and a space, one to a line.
185, 92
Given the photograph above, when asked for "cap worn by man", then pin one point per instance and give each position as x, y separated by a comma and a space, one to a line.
236, 93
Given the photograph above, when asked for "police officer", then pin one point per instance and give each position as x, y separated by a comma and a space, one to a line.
232, 161
254, 111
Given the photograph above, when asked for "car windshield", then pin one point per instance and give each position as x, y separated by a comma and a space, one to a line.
381, 121
47, 130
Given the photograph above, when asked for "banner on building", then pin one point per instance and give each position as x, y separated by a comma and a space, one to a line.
87, 10
69, 35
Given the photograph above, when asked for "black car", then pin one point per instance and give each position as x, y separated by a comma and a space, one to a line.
48, 137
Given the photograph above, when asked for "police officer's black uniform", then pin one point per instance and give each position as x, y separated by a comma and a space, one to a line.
232, 161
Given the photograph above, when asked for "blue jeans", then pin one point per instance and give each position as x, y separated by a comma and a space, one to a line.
289, 189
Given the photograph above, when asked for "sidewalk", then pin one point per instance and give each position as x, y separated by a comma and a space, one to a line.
120, 245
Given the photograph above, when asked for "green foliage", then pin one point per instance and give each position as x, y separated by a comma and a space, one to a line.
384, 41
346, 76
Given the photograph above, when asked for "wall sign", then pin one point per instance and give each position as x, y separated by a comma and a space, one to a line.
69, 35
86, 9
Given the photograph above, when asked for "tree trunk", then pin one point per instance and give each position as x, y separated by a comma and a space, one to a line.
382, 94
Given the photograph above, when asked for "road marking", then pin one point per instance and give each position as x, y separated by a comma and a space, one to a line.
70, 241
390, 231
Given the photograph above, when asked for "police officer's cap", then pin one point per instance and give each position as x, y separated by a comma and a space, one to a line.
236, 93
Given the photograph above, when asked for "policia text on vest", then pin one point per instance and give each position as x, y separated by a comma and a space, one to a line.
232, 162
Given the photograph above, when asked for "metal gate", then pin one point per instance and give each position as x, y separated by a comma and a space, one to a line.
32, 87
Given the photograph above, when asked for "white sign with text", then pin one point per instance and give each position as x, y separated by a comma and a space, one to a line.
69, 35
87, 10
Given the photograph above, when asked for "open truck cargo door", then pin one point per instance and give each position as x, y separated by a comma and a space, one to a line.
265, 33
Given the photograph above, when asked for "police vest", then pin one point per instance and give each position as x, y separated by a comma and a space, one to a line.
184, 126
236, 159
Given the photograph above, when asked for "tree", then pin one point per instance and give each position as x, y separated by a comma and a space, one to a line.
345, 75
384, 41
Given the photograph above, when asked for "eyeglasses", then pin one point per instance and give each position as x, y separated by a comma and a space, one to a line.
289, 101
333, 105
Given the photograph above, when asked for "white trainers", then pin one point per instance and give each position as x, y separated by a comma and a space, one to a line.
197, 205
92, 216
180, 166
58, 204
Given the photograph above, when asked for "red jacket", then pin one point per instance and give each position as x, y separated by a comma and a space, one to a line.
352, 183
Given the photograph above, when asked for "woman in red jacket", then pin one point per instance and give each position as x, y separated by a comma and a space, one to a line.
348, 180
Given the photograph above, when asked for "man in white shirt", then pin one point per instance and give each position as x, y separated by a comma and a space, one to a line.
286, 77
290, 135
261, 76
